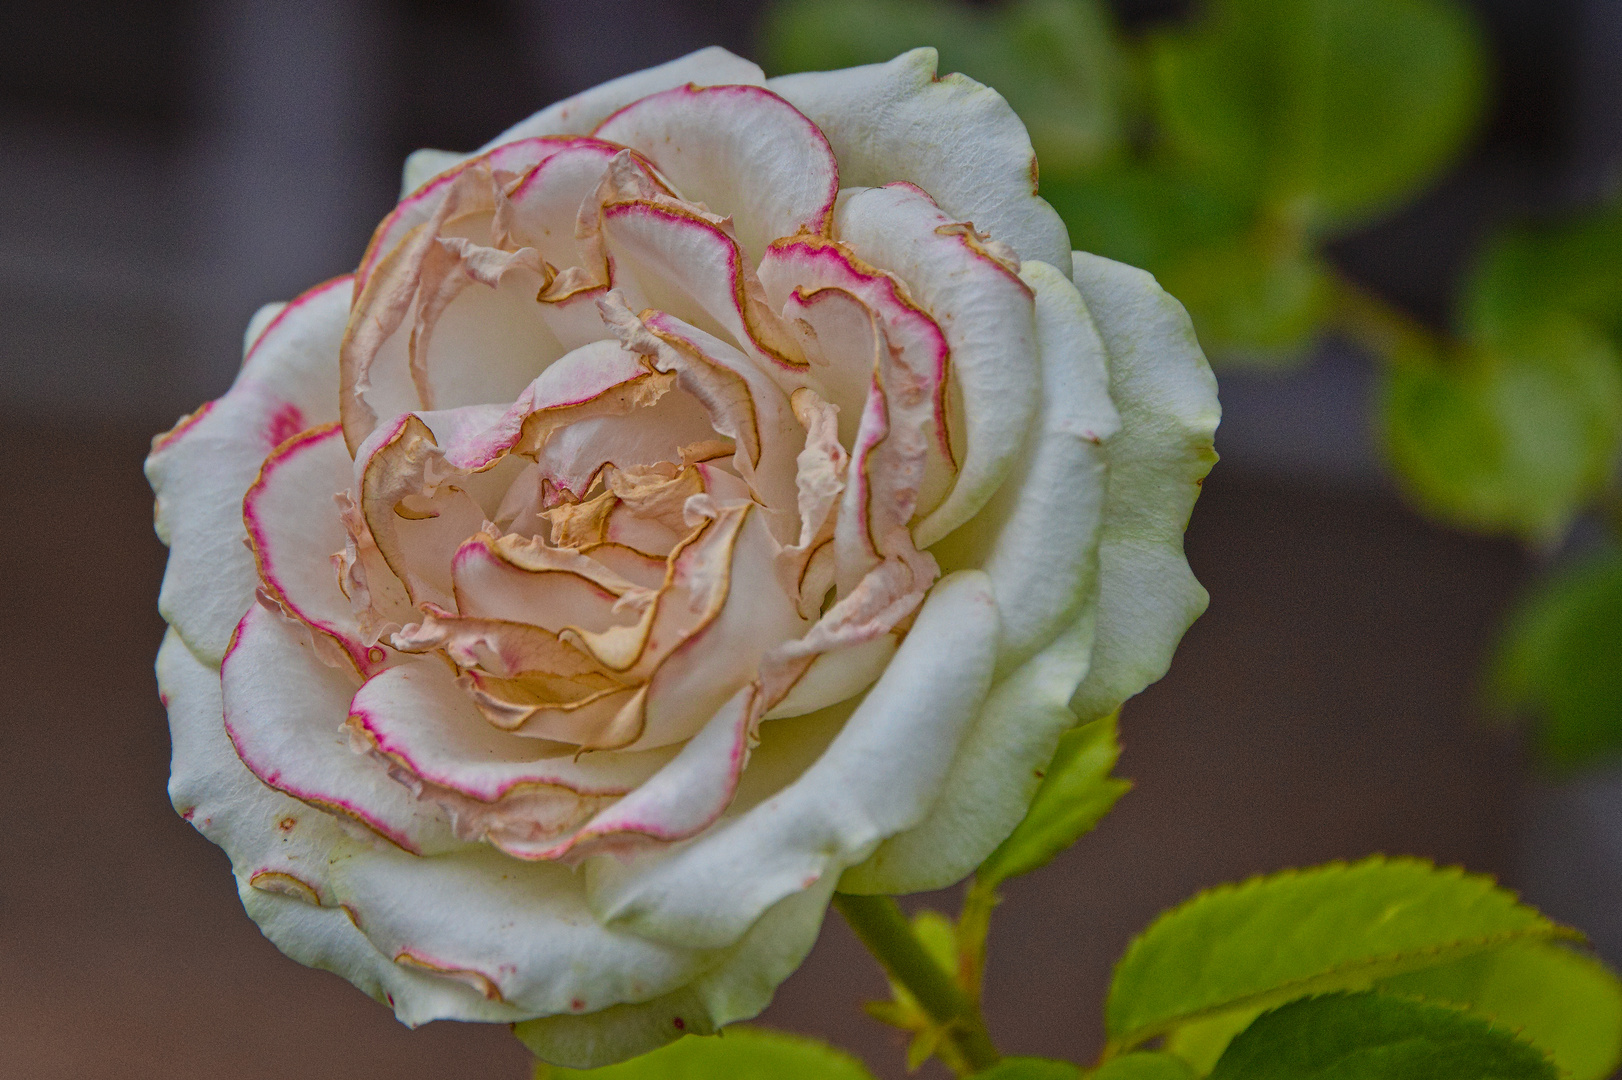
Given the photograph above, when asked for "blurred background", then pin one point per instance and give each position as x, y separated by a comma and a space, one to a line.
1393, 220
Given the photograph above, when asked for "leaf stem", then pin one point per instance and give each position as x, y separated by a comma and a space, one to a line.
1390, 334
879, 922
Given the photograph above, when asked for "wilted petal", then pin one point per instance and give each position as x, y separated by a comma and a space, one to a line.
284, 713
741, 151
578, 115
201, 468
295, 529
956, 139
878, 778
986, 313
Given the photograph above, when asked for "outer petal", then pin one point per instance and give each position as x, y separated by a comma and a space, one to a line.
1038, 537
1167, 399
200, 469
577, 115
954, 138
877, 778
279, 849
737, 989
284, 713
742, 151
986, 313
993, 778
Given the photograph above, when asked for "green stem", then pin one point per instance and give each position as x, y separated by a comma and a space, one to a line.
878, 921
1389, 333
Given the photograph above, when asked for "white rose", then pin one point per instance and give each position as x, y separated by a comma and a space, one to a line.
714, 491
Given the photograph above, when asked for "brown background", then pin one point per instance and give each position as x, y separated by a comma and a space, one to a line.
168, 165
1313, 713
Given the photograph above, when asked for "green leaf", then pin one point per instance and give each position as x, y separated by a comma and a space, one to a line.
1561, 658
1330, 110
1526, 273
1251, 301
1374, 1037
1030, 1068
1514, 438
1145, 215
1302, 932
1143, 1066
1201, 1042
1075, 793
1567, 1004
737, 1053
1056, 61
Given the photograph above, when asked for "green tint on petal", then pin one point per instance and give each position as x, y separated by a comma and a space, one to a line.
1512, 438
1331, 109
736, 1054
1561, 659
1567, 1004
1076, 792
1374, 1037
1299, 932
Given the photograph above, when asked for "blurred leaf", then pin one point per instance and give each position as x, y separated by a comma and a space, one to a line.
1056, 61
1573, 268
1514, 438
1144, 215
1301, 932
1250, 303
1076, 792
1143, 1066
1561, 658
737, 1053
1567, 1004
1030, 1068
1201, 1042
1327, 110
1373, 1037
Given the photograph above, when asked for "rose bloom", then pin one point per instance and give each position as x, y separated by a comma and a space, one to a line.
714, 492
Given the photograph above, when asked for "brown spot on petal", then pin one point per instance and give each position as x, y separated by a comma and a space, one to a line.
283, 884
287, 823
478, 980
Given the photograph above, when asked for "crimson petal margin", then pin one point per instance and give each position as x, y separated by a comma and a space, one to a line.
741, 151
879, 777
987, 315
284, 713
294, 529
279, 850
956, 139
578, 115
207, 461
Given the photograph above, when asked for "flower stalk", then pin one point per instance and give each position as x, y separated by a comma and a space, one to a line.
881, 926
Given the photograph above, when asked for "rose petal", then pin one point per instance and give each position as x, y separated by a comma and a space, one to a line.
878, 778
985, 311
1166, 395
1038, 537
738, 988
956, 139
741, 151
209, 459
993, 777
578, 115
295, 530
284, 713
279, 849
